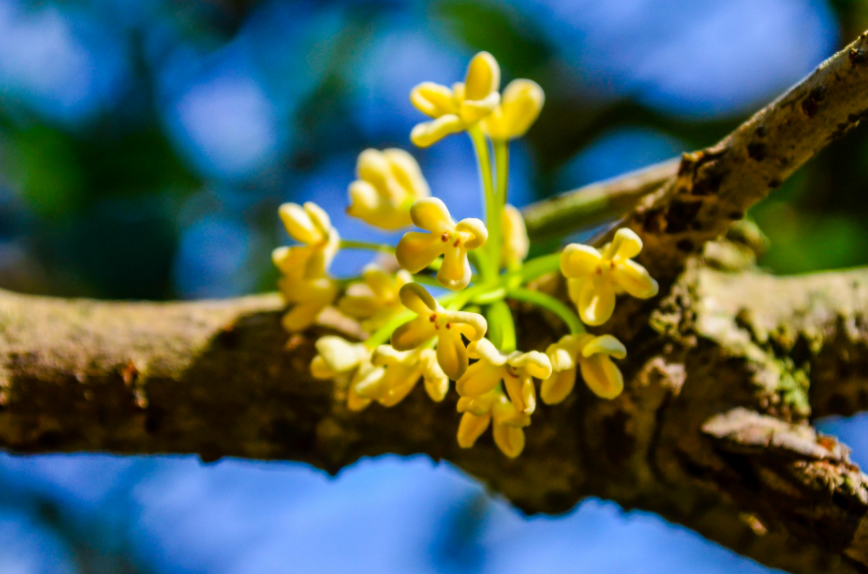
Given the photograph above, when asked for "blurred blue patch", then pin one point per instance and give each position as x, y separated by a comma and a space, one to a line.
59, 62
617, 152
690, 58
213, 255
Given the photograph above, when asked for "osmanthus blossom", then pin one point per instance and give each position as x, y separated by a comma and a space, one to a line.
433, 321
388, 184
519, 108
460, 107
403, 369
312, 227
374, 300
478, 414
417, 250
517, 371
434, 339
515, 242
592, 355
595, 277
308, 297
348, 365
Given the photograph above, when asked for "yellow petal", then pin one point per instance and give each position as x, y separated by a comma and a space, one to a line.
431, 214
300, 317
417, 250
356, 403
578, 261
602, 376
605, 345
415, 298
452, 354
339, 354
471, 325
509, 439
521, 104
479, 378
477, 230
429, 133
634, 279
522, 393
625, 245
433, 99
471, 111
413, 334
534, 363
471, 428
558, 387
455, 272
407, 173
298, 224
483, 77
515, 241
319, 369
596, 302
436, 381
373, 166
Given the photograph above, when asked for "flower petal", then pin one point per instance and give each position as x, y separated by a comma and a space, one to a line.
455, 272
436, 381
298, 223
417, 250
476, 228
602, 376
521, 104
625, 245
558, 387
471, 428
509, 439
407, 173
534, 363
478, 379
515, 241
431, 214
429, 133
579, 261
471, 111
596, 302
433, 99
634, 279
415, 298
522, 393
483, 77
413, 334
300, 317
605, 345
471, 325
452, 354
339, 354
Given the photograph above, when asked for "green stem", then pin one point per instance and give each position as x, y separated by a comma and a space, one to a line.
551, 304
366, 245
536, 268
492, 246
501, 326
501, 163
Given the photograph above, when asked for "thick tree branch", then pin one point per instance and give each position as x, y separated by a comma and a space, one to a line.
217, 379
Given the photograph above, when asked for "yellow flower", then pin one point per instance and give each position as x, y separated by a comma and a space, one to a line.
592, 355
389, 182
460, 107
418, 250
375, 300
516, 370
515, 241
435, 321
519, 108
308, 296
478, 414
594, 277
402, 371
349, 365
311, 226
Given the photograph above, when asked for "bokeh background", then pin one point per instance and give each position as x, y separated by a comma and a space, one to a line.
146, 144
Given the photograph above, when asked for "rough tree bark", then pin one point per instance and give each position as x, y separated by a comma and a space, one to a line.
727, 368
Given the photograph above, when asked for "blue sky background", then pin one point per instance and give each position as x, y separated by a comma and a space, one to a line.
145, 146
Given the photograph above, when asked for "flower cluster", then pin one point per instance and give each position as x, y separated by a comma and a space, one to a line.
464, 331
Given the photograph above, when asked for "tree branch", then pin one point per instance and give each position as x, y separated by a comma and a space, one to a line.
217, 379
